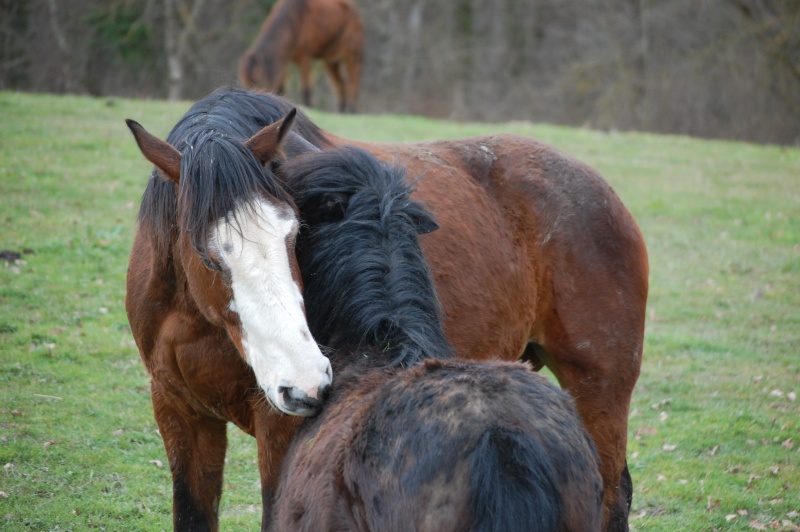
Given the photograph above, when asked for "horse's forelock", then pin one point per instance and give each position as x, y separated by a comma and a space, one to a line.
220, 174
367, 282
230, 115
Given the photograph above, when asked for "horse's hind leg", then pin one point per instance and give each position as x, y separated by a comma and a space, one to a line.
353, 66
337, 83
600, 371
195, 448
304, 64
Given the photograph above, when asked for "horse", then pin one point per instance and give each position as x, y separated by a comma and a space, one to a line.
536, 259
407, 441
298, 31
214, 296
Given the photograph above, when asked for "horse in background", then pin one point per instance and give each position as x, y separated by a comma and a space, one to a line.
438, 446
214, 299
298, 31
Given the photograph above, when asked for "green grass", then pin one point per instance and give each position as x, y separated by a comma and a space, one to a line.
713, 432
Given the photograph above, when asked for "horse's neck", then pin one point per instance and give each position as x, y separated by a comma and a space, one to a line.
400, 348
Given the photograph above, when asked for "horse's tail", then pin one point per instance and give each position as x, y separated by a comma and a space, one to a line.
513, 484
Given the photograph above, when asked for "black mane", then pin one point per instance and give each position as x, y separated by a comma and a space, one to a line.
217, 171
368, 289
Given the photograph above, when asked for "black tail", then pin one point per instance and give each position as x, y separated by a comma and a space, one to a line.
514, 484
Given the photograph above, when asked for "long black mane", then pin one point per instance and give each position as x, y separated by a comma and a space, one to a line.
217, 170
368, 289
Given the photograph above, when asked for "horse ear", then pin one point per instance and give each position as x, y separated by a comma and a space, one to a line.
164, 156
296, 145
424, 222
330, 207
266, 144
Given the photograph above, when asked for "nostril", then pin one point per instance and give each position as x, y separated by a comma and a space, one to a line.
324, 393
297, 402
286, 393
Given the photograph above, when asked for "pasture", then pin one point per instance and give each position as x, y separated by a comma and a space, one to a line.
714, 439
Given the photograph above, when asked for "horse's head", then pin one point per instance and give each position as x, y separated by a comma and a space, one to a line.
366, 279
259, 70
236, 241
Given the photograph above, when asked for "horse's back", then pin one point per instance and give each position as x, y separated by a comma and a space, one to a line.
474, 446
527, 233
330, 30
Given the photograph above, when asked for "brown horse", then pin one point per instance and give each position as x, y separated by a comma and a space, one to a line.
537, 258
442, 446
298, 31
214, 295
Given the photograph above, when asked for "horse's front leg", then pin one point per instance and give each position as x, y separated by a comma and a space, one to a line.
195, 446
273, 432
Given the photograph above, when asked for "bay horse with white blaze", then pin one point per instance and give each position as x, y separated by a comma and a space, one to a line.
214, 298
441, 446
299, 31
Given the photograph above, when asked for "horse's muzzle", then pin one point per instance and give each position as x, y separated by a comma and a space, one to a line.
296, 402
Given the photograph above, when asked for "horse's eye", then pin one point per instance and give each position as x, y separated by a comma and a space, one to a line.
212, 263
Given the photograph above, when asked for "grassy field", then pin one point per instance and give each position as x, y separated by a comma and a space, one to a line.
714, 441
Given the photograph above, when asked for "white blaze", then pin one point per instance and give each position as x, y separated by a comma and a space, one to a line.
275, 336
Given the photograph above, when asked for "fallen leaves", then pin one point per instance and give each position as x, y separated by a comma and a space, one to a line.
645, 431
662, 403
751, 478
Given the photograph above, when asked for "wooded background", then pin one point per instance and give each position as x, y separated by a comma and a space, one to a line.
709, 68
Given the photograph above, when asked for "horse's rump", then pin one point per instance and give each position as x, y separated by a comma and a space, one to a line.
446, 445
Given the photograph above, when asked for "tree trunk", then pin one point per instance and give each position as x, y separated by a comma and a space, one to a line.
172, 50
